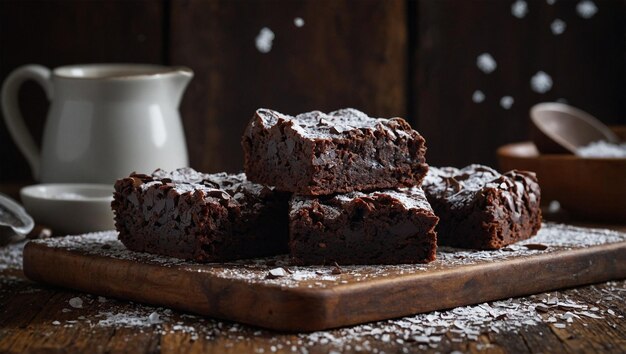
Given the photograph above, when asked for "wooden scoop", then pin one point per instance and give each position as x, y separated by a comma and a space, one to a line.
561, 129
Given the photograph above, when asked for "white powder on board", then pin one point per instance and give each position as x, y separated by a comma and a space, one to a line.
541, 82
264, 40
136, 318
427, 330
519, 8
558, 26
478, 96
486, 63
11, 256
586, 9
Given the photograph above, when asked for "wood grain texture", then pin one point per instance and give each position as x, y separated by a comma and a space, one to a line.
54, 33
199, 289
586, 64
37, 333
349, 53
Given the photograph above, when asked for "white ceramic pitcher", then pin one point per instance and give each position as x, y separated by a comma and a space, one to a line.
104, 122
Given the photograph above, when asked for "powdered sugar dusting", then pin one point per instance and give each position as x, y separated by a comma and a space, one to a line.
409, 198
558, 310
346, 121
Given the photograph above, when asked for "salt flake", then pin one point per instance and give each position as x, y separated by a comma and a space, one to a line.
519, 9
298, 21
506, 102
558, 26
541, 82
486, 63
264, 40
478, 96
586, 9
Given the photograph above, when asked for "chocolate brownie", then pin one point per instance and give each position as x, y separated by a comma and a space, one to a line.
481, 208
202, 217
384, 227
319, 154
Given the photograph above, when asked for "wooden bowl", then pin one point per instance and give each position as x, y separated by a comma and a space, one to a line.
588, 188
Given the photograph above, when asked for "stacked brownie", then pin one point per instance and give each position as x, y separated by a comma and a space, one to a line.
331, 188
197, 216
355, 183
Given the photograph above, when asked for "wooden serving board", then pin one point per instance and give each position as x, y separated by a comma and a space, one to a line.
315, 298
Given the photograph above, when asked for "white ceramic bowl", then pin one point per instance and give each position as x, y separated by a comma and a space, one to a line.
70, 208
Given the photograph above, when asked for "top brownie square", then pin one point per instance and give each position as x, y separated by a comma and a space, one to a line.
318, 154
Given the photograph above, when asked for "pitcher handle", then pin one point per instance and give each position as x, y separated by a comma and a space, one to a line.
12, 115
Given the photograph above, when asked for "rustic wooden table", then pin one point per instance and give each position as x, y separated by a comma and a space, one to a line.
38, 318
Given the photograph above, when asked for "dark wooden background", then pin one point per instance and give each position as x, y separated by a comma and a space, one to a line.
415, 59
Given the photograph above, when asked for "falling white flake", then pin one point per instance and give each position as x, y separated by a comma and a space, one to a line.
478, 96
486, 63
298, 21
554, 206
519, 8
76, 302
506, 102
264, 40
586, 9
541, 82
558, 26
550, 2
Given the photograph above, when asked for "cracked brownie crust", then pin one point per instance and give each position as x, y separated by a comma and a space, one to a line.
481, 208
385, 227
319, 154
197, 216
